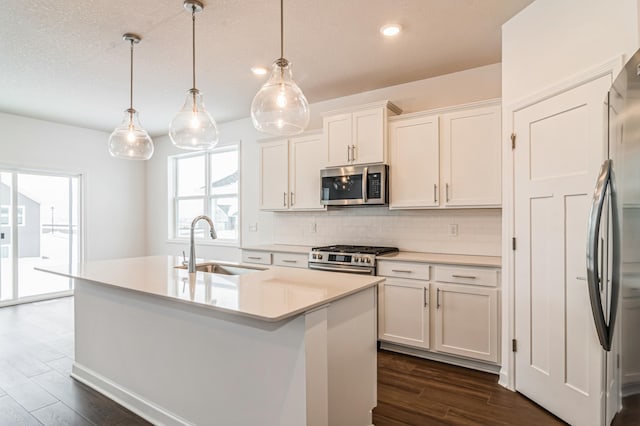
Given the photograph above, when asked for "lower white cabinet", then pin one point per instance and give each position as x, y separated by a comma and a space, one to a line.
449, 309
403, 312
466, 321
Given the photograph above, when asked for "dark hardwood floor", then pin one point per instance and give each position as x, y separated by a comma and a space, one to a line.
36, 353
414, 391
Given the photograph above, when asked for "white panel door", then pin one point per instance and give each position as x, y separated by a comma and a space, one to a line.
403, 312
307, 157
274, 175
559, 363
414, 160
471, 157
369, 137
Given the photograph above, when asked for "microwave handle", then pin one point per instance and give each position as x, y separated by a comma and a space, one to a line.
365, 178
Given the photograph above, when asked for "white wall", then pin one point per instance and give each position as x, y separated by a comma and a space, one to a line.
410, 230
550, 41
114, 189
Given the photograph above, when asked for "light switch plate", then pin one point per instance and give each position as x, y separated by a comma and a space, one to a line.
453, 230
253, 227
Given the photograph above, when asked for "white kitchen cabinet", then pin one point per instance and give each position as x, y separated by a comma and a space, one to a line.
471, 157
466, 321
403, 303
290, 173
291, 260
256, 256
274, 175
414, 162
358, 135
446, 158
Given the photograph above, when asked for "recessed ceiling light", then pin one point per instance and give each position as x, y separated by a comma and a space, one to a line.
390, 30
259, 70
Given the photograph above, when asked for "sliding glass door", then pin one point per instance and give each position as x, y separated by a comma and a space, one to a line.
39, 218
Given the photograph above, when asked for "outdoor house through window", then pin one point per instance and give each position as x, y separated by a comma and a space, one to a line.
206, 183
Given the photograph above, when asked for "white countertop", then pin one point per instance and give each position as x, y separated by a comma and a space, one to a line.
402, 256
269, 294
455, 259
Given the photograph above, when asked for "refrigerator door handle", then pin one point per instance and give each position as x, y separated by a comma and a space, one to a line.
593, 242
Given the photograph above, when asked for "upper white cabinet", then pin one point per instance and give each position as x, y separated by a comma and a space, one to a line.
414, 162
471, 157
446, 158
358, 135
290, 173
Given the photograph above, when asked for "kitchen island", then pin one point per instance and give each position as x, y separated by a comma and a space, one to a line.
276, 346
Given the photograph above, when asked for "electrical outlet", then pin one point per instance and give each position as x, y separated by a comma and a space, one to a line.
453, 230
253, 227
313, 228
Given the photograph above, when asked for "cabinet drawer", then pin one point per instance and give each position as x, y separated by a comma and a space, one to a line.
410, 270
291, 260
464, 275
262, 257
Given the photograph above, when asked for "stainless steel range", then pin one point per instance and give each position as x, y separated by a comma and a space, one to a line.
346, 258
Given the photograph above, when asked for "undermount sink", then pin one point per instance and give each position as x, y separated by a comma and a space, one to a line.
214, 268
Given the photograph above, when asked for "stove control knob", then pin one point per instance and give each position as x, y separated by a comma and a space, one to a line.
320, 256
368, 260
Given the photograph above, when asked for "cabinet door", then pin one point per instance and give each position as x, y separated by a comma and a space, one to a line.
369, 136
307, 157
471, 157
338, 134
274, 175
414, 163
403, 312
466, 321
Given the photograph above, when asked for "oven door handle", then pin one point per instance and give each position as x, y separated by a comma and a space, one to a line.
367, 271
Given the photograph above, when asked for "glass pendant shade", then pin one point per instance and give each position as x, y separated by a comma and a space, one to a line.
193, 127
129, 140
280, 107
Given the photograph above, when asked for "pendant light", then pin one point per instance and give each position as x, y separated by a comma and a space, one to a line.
129, 140
280, 107
193, 127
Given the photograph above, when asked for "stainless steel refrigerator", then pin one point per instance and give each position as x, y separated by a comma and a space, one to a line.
613, 250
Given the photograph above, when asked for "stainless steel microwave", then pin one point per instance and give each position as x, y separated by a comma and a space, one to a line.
355, 185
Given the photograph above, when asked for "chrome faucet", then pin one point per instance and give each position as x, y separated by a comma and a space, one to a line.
192, 245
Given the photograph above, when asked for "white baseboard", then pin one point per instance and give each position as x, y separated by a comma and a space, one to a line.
461, 362
133, 402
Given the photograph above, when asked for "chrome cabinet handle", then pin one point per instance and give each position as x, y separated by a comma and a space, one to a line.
284, 199
438, 299
424, 296
581, 278
404, 271
254, 257
292, 199
365, 178
446, 190
471, 277
348, 152
435, 193
353, 153
289, 261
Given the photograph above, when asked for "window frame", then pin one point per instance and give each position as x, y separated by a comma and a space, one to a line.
206, 197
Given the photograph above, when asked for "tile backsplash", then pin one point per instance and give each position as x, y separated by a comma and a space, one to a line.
478, 230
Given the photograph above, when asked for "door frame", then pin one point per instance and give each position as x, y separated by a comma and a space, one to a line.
80, 213
611, 67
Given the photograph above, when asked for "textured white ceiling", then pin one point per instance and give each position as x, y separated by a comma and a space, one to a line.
65, 61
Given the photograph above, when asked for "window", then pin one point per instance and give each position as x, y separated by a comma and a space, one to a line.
4, 216
206, 183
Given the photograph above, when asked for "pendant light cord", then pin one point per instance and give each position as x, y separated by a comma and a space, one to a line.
131, 79
193, 39
281, 29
